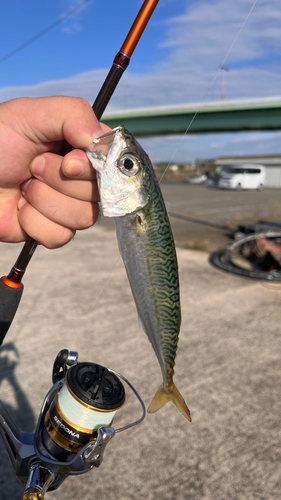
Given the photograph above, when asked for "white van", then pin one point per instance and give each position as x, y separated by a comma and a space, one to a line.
242, 177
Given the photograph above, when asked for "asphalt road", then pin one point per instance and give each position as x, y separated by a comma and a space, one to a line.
228, 369
204, 218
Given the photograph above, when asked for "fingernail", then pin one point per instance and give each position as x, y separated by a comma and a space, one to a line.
23, 186
74, 168
22, 201
37, 166
99, 133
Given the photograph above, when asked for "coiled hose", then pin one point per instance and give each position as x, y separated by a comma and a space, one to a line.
223, 258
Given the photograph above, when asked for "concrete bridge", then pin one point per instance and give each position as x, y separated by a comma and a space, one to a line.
201, 118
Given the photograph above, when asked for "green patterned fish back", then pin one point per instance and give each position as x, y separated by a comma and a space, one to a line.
164, 269
162, 260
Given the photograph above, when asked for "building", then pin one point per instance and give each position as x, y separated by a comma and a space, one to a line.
272, 164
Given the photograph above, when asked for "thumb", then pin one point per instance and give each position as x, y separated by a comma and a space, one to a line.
48, 119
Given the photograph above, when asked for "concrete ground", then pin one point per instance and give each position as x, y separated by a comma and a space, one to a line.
228, 369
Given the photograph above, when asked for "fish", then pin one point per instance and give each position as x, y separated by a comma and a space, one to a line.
130, 193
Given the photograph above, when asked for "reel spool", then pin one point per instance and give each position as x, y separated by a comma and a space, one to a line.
88, 400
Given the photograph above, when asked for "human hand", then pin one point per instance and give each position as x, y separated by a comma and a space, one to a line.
47, 190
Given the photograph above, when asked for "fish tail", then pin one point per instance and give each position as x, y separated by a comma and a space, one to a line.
167, 393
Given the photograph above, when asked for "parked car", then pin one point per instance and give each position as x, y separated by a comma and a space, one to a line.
243, 177
198, 179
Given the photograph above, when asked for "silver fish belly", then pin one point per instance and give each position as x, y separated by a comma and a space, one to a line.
130, 193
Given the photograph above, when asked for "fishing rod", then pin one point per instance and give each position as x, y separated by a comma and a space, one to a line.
75, 422
11, 286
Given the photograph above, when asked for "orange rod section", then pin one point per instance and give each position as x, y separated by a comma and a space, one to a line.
138, 27
11, 284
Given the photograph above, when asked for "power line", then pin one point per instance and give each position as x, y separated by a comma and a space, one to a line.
61, 19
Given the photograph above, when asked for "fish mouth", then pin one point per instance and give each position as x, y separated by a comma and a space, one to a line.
106, 147
104, 142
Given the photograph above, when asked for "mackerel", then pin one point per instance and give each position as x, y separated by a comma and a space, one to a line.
130, 193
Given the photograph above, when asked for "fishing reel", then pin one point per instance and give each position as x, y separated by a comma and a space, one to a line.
73, 428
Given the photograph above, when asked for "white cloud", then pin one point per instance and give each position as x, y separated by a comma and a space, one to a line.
198, 41
208, 29
196, 44
81, 85
211, 146
73, 24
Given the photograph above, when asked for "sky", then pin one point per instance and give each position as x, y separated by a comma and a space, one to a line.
177, 60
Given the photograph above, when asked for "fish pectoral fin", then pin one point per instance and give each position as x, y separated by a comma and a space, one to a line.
169, 393
141, 326
167, 205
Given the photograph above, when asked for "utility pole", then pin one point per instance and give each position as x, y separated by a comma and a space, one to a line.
223, 80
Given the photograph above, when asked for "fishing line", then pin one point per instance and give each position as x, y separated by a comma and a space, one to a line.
99, 294
186, 132
209, 88
107, 279
60, 20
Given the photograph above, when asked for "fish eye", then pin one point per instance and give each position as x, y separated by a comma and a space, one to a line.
128, 164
